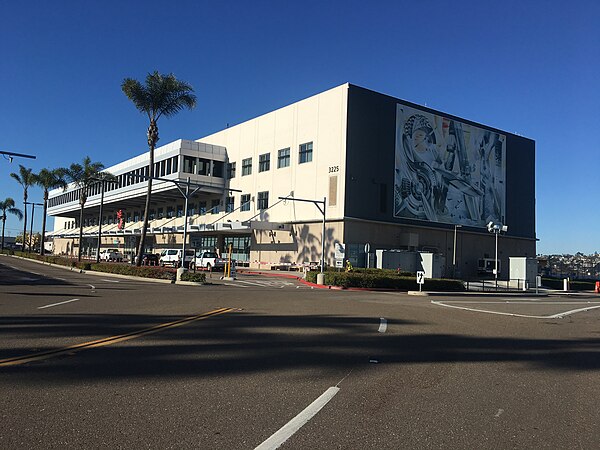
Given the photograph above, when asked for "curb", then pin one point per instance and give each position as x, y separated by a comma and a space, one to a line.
93, 272
189, 283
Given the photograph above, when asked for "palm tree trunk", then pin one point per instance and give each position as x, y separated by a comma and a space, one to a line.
24, 220
80, 232
3, 225
44, 223
152, 138
140, 251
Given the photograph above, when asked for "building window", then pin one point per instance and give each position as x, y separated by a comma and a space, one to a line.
136, 216
283, 158
263, 200
203, 166
264, 162
230, 205
306, 151
191, 209
152, 214
175, 160
160, 214
179, 210
231, 170
168, 166
202, 208
189, 164
245, 202
170, 212
217, 170
246, 166
215, 206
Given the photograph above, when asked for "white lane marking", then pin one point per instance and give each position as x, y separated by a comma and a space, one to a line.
554, 316
382, 325
573, 311
499, 413
523, 302
58, 278
110, 281
92, 286
60, 303
288, 430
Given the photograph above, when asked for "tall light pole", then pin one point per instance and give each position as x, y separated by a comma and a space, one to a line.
102, 179
496, 228
454, 254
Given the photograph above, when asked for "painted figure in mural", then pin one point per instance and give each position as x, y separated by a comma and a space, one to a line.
447, 172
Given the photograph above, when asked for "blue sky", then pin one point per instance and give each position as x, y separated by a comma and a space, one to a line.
527, 67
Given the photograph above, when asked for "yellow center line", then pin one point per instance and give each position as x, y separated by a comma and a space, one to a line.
24, 359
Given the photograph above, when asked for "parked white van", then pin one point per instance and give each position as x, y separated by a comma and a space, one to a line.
172, 257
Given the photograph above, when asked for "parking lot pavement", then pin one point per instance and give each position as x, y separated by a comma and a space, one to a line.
222, 367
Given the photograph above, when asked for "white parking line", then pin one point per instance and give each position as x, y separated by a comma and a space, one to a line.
60, 303
382, 325
553, 316
285, 432
110, 281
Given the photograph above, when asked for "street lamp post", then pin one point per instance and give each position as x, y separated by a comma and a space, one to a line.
454, 253
33, 205
496, 228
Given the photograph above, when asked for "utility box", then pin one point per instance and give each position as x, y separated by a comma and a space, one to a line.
394, 259
431, 263
523, 268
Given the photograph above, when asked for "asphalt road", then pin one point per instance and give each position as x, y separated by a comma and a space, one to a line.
93, 361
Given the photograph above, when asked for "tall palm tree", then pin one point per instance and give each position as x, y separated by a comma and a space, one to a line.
162, 95
49, 179
25, 178
83, 176
8, 206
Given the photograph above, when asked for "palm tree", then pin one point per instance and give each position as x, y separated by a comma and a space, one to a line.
83, 176
8, 206
49, 179
26, 179
162, 95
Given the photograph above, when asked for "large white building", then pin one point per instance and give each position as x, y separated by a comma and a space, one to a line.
392, 174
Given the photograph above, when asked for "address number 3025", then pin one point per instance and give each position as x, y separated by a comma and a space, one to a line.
333, 169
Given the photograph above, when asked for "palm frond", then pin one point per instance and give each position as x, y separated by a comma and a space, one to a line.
161, 94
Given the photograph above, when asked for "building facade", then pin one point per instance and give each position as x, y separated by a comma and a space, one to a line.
391, 174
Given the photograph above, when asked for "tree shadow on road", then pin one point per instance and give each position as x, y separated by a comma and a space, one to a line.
242, 342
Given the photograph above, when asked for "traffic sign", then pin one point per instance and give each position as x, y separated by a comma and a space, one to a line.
420, 277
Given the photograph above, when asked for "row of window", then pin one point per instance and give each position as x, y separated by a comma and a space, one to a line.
193, 165
161, 168
199, 208
305, 155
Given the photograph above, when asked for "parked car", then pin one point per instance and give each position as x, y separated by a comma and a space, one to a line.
208, 260
148, 259
111, 254
172, 257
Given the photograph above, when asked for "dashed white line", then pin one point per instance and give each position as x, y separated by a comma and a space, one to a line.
60, 303
382, 325
285, 432
111, 281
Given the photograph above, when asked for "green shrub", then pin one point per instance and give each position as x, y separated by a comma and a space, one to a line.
127, 269
196, 277
379, 279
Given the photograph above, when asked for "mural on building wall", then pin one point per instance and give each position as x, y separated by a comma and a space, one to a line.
448, 171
